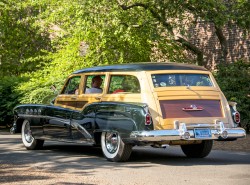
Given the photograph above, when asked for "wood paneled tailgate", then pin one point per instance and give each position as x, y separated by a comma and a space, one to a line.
174, 108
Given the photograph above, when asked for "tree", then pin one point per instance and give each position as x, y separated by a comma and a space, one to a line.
108, 40
23, 43
177, 15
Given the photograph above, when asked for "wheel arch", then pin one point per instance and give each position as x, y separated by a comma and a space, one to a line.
97, 138
124, 135
19, 123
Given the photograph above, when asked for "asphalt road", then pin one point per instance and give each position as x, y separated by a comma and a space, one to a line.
59, 163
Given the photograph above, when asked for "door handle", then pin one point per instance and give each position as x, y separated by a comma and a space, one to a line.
98, 97
73, 97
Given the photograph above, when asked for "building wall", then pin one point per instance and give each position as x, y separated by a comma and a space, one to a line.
203, 35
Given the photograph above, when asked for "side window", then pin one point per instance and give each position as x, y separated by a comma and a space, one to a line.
124, 84
94, 84
72, 85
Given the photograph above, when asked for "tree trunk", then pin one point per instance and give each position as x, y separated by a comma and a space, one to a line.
191, 47
223, 43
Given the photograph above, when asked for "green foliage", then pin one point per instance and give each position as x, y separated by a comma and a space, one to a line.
23, 42
234, 82
106, 39
9, 98
241, 11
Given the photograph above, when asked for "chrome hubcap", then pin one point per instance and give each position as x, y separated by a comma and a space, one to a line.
112, 142
27, 133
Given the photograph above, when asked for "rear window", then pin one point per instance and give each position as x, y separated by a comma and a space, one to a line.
168, 80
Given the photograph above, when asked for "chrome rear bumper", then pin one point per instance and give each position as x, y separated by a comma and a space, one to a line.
184, 133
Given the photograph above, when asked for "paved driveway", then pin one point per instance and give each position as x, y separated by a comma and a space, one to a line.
70, 164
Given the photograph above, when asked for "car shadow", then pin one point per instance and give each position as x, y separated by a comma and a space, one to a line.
170, 156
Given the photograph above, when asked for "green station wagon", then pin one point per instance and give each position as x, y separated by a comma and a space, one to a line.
121, 106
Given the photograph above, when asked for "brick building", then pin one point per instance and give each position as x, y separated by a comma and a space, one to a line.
203, 36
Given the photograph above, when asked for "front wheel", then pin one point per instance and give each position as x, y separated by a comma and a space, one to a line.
198, 150
28, 140
113, 148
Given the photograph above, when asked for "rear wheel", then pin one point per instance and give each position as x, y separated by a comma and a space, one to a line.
113, 148
198, 150
28, 140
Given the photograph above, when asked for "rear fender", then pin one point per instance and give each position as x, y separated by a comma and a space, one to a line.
235, 114
121, 117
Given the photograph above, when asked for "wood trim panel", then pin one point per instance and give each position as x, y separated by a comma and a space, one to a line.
67, 103
80, 104
174, 108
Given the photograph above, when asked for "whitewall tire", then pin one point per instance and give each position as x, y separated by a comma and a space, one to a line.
28, 140
113, 148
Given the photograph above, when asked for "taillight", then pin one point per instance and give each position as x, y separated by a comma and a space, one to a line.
148, 119
236, 117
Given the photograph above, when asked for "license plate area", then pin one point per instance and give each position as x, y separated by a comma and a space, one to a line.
202, 133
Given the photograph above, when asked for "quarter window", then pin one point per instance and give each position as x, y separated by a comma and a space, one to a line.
124, 84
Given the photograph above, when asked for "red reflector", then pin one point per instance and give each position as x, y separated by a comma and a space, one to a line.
148, 119
237, 117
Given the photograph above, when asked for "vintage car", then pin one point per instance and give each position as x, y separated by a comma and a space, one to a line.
155, 104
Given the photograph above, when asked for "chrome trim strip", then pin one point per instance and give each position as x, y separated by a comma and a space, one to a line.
81, 129
39, 116
79, 141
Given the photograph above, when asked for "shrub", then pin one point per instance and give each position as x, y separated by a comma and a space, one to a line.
234, 82
9, 98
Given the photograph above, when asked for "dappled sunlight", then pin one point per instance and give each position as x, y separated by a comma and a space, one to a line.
64, 163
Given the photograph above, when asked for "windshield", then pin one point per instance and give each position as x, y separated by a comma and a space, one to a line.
168, 80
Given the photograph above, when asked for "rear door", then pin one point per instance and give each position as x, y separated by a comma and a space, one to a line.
85, 98
123, 87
